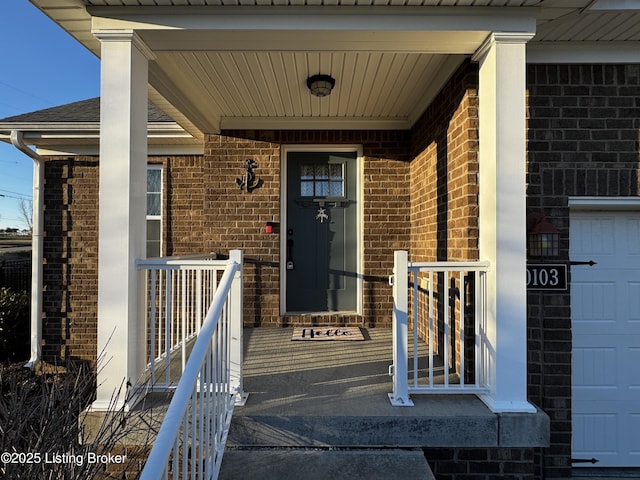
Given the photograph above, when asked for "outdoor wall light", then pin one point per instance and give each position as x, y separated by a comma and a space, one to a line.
543, 239
321, 85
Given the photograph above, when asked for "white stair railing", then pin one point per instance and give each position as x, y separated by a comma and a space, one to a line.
431, 354
192, 437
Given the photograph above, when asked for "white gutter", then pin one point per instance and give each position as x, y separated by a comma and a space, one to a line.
36, 247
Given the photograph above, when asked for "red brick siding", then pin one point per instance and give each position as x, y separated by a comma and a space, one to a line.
183, 219
444, 213
236, 219
70, 259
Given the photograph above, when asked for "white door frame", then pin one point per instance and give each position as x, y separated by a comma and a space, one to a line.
284, 151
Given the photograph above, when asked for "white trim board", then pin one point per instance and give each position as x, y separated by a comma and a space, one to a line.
604, 203
583, 52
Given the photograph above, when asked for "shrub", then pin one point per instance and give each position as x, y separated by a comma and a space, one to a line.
42, 418
14, 325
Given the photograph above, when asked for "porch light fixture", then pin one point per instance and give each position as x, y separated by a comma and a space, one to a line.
543, 239
321, 85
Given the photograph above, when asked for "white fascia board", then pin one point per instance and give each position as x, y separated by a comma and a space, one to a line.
583, 52
88, 130
93, 150
326, 18
309, 123
29, 128
83, 138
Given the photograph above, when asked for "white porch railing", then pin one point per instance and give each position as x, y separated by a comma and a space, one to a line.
447, 300
179, 292
191, 440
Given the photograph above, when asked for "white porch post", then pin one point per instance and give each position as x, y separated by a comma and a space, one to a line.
122, 215
236, 360
502, 114
400, 368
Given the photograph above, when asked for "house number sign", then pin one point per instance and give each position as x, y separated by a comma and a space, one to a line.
547, 276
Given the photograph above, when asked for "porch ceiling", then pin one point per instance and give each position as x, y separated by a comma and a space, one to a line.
226, 64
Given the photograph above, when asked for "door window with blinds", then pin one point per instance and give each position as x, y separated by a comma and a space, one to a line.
154, 211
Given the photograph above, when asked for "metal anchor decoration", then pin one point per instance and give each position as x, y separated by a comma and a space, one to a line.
249, 181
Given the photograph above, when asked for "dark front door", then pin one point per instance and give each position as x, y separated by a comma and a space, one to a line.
321, 232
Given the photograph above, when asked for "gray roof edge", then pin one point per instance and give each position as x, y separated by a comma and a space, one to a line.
80, 112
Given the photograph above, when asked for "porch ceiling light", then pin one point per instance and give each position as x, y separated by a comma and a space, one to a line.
321, 85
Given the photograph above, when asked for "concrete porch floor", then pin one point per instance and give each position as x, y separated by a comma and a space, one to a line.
335, 394
321, 410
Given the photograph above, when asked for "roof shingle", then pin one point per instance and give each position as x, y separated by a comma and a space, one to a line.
83, 111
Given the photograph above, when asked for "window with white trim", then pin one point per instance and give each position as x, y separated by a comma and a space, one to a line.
154, 211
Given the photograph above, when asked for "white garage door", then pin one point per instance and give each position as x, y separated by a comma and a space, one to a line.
605, 306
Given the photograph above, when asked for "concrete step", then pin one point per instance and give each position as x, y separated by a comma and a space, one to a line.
324, 464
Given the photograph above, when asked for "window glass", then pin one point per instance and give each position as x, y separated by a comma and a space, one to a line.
154, 211
153, 238
321, 180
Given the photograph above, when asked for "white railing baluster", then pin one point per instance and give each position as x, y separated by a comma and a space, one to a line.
431, 329
152, 323
446, 295
462, 325
416, 306
445, 309
168, 331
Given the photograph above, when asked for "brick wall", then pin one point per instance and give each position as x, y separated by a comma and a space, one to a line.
582, 141
70, 259
236, 219
183, 219
444, 210
481, 463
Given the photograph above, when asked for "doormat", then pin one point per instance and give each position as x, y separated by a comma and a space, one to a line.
325, 334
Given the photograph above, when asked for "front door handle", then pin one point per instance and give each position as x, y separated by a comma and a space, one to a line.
290, 265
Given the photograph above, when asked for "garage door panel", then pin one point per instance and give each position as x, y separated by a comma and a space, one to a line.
599, 302
594, 237
634, 426
605, 305
595, 367
598, 428
603, 433
631, 362
633, 304
632, 232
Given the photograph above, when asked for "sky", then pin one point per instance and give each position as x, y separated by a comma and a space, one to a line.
41, 66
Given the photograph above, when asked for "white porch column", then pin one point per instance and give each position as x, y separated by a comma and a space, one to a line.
122, 214
502, 114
